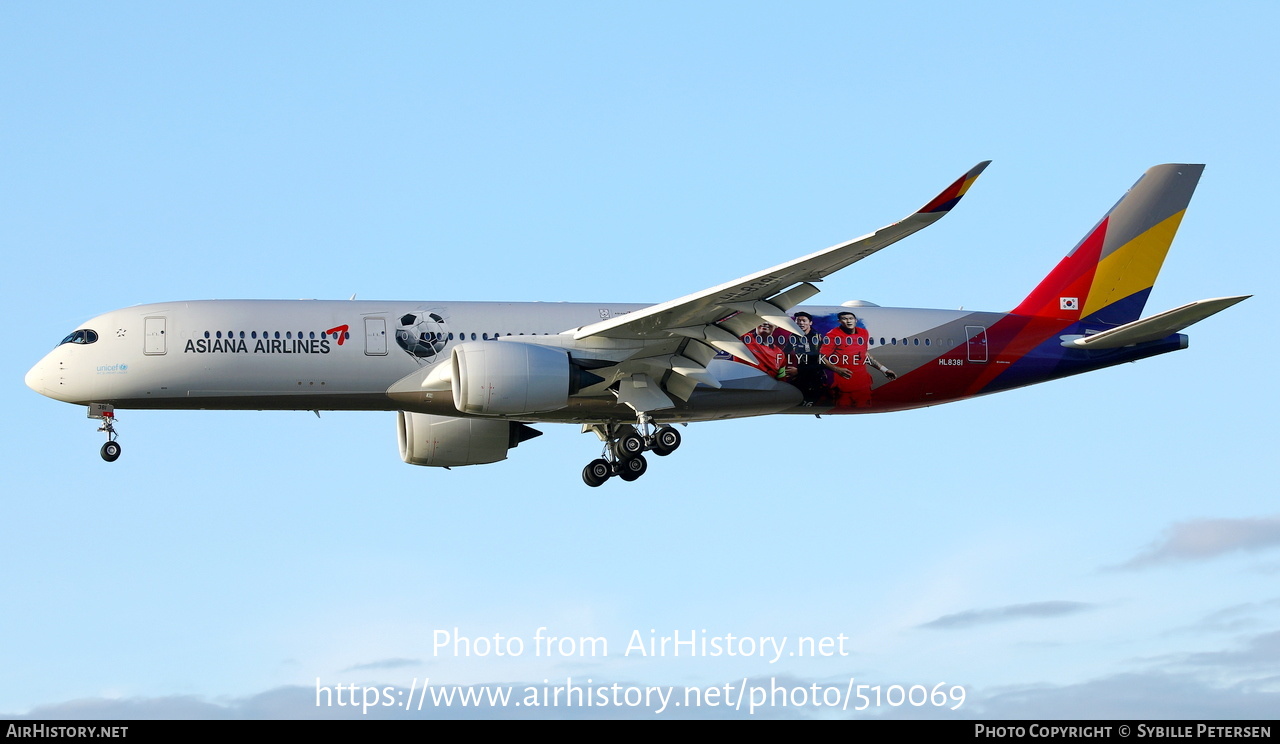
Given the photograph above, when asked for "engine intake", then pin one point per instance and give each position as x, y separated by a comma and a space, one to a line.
445, 442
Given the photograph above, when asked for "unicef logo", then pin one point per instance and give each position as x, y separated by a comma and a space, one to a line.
124, 368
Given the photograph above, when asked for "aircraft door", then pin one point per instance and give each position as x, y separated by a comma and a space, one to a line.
375, 336
153, 331
977, 336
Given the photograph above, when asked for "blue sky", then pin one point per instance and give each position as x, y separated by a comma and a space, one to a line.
1102, 546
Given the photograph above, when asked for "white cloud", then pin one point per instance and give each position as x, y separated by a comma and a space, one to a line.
1208, 538
395, 663
1151, 695
970, 618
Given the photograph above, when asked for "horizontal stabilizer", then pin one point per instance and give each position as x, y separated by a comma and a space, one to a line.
1156, 327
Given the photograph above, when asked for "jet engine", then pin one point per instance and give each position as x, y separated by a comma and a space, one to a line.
510, 379
445, 442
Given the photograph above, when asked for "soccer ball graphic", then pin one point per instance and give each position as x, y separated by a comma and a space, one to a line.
422, 334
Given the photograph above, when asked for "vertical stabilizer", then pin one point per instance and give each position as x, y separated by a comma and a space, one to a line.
1106, 278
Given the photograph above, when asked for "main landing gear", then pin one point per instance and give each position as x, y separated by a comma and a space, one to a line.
624, 449
111, 450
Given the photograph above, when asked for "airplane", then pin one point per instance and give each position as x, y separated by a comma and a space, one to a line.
466, 379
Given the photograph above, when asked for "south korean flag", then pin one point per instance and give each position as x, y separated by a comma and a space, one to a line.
1069, 303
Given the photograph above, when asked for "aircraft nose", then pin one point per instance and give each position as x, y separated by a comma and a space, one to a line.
35, 378
54, 378
44, 378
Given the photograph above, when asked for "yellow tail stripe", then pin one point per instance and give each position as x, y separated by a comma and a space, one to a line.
1133, 266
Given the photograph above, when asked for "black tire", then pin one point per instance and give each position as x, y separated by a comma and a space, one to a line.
666, 441
596, 472
632, 444
633, 468
629, 445
111, 451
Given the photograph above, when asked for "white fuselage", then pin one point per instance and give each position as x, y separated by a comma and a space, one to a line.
345, 355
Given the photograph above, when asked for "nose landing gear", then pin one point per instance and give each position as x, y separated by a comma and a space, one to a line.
107, 414
624, 447
110, 451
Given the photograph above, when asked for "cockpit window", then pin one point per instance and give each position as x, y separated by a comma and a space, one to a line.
82, 336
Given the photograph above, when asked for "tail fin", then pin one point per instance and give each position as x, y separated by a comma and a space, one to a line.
1106, 278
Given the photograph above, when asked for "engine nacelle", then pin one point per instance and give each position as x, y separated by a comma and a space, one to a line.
446, 442
507, 378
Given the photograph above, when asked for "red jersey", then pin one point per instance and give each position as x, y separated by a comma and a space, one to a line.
841, 348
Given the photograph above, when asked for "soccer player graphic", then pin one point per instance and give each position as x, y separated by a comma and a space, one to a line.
845, 351
769, 346
803, 353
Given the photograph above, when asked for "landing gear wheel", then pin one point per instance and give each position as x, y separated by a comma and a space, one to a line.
596, 472
111, 451
628, 445
624, 448
665, 441
633, 468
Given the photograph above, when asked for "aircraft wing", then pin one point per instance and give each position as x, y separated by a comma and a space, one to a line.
783, 286
715, 319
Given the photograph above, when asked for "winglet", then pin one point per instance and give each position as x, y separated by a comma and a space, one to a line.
951, 195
